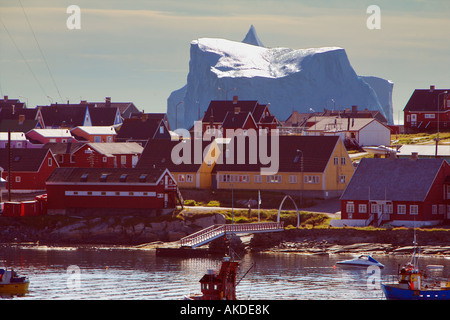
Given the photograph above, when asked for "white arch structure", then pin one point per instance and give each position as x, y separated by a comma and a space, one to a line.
296, 208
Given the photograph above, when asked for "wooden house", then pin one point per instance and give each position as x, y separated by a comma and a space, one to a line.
97, 155
426, 110
142, 129
111, 191
43, 136
29, 168
402, 192
94, 133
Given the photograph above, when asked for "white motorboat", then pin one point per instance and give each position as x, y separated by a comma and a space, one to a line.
361, 261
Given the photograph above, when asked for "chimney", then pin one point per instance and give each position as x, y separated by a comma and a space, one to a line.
237, 110
5, 98
21, 118
108, 101
235, 99
83, 102
432, 87
354, 109
414, 155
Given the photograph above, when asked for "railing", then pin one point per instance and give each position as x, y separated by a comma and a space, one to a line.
215, 231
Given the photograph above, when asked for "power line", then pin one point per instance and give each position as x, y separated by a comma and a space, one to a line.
23, 58
40, 50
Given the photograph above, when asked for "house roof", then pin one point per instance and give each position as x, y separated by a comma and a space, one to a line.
236, 120
70, 115
63, 147
14, 125
158, 154
23, 159
103, 116
392, 179
138, 129
52, 133
329, 124
426, 100
424, 150
218, 109
316, 150
112, 175
116, 148
15, 136
96, 130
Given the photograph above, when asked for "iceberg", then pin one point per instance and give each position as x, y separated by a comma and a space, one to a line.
287, 79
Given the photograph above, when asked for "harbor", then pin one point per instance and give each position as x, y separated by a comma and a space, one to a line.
120, 273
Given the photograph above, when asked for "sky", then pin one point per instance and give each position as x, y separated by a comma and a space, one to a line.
138, 50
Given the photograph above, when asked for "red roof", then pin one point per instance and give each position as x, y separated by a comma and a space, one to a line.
427, 100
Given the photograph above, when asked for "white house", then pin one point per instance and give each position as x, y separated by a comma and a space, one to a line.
18, 140
365, 131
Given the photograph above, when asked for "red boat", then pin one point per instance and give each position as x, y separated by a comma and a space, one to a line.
220, 286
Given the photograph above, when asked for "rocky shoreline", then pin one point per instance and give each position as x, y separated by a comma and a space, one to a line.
141, 233
356, 241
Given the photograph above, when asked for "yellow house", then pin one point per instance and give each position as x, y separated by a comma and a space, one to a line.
319, 166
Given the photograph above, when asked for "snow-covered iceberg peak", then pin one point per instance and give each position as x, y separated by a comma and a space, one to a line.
288, 79
252, 37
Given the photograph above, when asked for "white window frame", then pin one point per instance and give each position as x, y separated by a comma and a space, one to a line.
362, 208
413, 209
292, 178
401, 209
350, 207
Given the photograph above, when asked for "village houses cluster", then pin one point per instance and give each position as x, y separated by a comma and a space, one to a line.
110, 157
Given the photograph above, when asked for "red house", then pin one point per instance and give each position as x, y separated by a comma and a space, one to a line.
29, 168
402, 192
220, 114
426, 109
97, 155
94, 191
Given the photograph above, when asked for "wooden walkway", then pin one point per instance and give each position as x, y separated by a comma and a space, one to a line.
218, 230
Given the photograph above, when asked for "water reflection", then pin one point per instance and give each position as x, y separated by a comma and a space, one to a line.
118, 273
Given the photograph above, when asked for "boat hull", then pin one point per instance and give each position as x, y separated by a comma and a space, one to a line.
394, 292
14, 288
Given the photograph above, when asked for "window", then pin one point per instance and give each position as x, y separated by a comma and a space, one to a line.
429, 116
123, 177
18, 179
143, 177
373, 208
292, 179
311, 179
274, 179
414, 209
84, 177
181, 178
123, 159
104, 177
50, 162
336, 160
362, 208
97, 139
343, 160
350, 207
161, 129
108, 139
434, 209
342, 179
257, 178
401, 209
441, 208
105, 159
189, 178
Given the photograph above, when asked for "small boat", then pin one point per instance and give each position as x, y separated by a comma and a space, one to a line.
222, 285
361, 261
11, 283
411, 284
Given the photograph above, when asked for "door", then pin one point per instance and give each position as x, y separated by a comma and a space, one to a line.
413, 119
